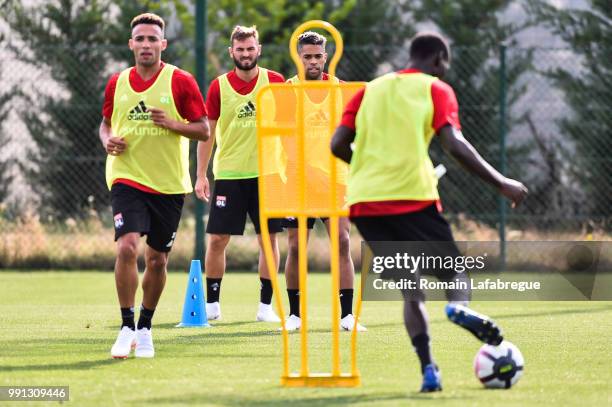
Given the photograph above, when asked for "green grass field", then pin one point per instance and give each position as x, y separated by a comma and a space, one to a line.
57, 329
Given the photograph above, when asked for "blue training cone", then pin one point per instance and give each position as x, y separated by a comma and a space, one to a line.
194, 312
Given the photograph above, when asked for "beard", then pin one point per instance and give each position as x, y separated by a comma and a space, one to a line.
245, 65
149, 63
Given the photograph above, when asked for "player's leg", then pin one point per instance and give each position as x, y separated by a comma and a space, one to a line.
126, 282
292, 277
153, 283
265, 312
214, 265
416, 322
126, 274
398, 228
165, 213
347, 274
227, 217
436, 229
130, 220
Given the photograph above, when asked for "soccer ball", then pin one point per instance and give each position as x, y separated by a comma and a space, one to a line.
499, 366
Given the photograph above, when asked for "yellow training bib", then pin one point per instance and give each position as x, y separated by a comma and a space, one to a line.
394, 128
155, 157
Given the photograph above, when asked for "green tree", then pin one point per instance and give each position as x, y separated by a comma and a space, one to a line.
587, 86
75, 41
5, 164
364, 25
477, 32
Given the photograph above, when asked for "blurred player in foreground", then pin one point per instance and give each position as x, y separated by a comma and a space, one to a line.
392, 189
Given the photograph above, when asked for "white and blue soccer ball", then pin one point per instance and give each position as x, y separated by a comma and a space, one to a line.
499, 367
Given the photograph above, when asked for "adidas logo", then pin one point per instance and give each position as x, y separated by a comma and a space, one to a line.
139, 112
317, 119
248, 110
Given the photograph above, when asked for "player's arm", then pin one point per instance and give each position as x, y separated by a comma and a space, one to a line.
341, 143
345, 133
204, 150
460, 149
197, 130
112, 145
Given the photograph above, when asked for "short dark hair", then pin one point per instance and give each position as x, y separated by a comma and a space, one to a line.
241, 33
311, 38
427, 44
148, 18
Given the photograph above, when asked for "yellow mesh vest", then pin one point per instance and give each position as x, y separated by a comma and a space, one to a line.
235, 134
394, 128
155, 157
317, 134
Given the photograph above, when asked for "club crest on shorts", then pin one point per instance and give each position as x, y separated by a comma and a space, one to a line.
221, 201
118, 218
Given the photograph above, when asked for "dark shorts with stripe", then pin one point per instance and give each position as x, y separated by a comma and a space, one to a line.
426, 225
232, 200
154, 215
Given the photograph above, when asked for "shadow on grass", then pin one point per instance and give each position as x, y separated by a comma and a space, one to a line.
288, 399
83, 365
212, 323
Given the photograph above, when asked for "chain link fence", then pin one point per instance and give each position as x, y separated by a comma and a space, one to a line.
55, 208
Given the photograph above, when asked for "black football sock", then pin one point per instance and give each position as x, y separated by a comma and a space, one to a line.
294, 301
265, 295
422, 349
213, 289
127, 318
346, 301
146, 315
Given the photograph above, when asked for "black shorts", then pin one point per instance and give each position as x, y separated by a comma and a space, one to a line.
231, 201
422, 226
426, 225
154, 215
292, 223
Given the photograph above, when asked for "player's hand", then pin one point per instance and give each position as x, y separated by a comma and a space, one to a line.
115, 145
158, 116
514, 191
202, 188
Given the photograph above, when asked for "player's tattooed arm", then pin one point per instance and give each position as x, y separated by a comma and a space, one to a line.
460, 149
341, 143
197, 130
112, 145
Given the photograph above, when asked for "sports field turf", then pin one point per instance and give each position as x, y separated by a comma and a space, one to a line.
57, 329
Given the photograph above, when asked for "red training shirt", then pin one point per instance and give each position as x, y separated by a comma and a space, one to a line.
446, 112
185, 92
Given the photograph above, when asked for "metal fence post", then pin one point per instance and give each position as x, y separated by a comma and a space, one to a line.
502, 150
200, 55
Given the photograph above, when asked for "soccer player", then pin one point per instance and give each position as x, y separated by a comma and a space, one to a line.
392, 189
311, 49
231, 112
150, 111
